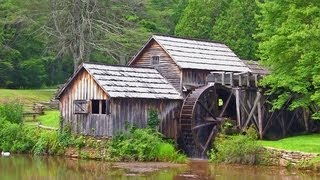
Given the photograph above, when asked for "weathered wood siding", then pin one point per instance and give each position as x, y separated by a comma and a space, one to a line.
167, 67
135, 111
194, 77
84, 87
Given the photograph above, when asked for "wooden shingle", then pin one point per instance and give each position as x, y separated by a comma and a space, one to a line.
131, 82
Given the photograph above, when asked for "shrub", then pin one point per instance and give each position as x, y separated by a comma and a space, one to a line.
65, 138
15, 137
79, 142
47, 143
239, 148
153, 119
142, 145
312, 164
12, 111
167, 152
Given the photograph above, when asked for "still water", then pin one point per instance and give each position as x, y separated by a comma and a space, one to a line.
38, 168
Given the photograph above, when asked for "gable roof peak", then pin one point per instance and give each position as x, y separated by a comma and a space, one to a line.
198, 54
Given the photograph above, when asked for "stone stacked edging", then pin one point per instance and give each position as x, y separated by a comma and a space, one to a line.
279, 157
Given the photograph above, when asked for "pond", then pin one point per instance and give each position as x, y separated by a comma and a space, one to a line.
34, 167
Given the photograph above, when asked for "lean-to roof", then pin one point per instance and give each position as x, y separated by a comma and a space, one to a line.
130, 82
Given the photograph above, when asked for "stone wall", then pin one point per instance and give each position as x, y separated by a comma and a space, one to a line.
280, 157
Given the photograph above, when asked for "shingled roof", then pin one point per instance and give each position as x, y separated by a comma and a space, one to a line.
256, 68
197, 54
130, 82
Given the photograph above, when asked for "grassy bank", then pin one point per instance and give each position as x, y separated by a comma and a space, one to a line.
134, 145
304, 143
26, 97
50, 118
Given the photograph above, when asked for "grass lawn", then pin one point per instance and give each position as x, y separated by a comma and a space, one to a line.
50, 118
305, 143
26, 97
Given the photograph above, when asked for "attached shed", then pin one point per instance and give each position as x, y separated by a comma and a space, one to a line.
100, 99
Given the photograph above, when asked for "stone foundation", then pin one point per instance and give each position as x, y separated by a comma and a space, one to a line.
280, 157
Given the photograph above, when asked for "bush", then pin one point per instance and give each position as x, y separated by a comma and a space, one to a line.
312, 164
18, 138
47, 143
15, 137
242, 149
153, 119
142, 145
12, 111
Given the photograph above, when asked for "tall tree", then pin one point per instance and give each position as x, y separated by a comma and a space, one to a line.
289, 35
236, 25
199, 16
20, 48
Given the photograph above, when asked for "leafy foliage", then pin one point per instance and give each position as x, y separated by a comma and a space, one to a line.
235, 27
289, 33
239, 148
12, 111
196, 20
15, 138
312, 164
142, 145
153, 119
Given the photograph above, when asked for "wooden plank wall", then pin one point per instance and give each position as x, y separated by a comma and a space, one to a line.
167, 67
135, 111
194, 77
84, 87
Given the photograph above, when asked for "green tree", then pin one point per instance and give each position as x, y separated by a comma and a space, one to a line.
289, 33
199, 16
235, 27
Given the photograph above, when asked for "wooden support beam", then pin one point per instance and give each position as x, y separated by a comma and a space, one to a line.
240, 80
231, 79
225, 105
254, 116
256, 80
252, 111
238, 107
282, 125
223, 78
305, 119
248, 80
291, 120
260, 120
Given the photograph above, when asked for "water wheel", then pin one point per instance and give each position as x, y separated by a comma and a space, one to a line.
202, 112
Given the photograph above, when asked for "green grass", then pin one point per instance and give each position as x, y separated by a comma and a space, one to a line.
305, 143
26, 97
50, 118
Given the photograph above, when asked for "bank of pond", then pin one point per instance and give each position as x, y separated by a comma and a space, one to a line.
53, 167
144, 145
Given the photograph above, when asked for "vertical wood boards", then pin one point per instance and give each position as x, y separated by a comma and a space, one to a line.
123, 110
194, 77
84, 87
167, 67
135, 112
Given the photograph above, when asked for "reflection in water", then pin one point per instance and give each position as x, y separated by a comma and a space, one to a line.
33, 167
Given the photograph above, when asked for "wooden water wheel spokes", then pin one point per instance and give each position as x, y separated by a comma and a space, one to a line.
203, 114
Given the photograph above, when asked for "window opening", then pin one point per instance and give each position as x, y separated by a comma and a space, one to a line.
95, 106
220, 103
155, 60
104, 106
100, 107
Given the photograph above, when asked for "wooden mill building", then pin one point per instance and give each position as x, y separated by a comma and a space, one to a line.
195, 85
